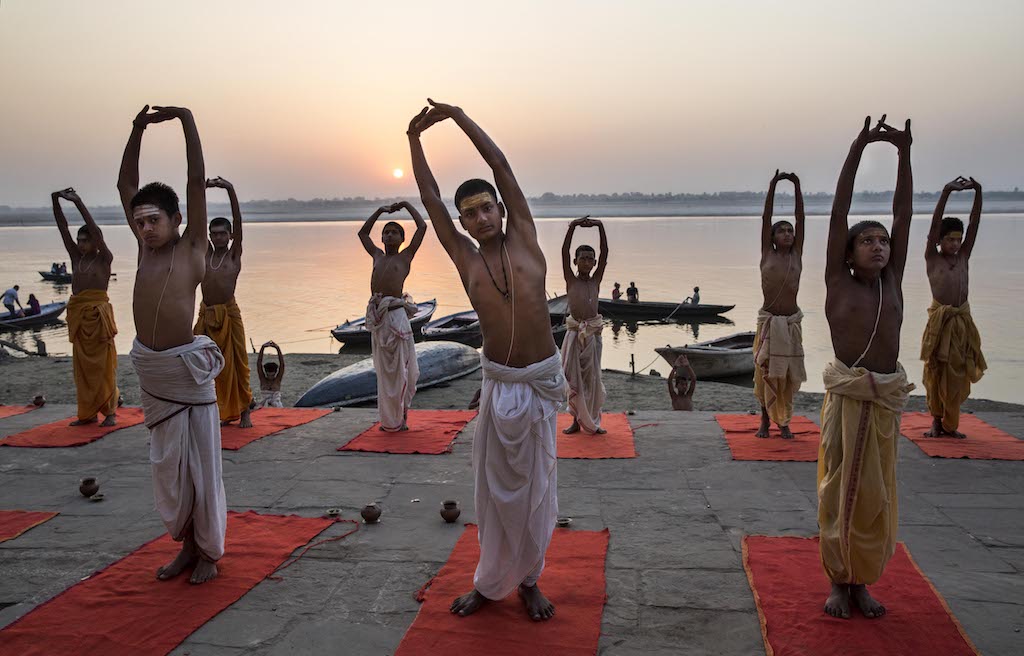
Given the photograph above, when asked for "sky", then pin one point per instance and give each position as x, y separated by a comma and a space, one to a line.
312, 98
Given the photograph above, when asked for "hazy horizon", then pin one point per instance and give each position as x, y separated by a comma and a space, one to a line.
313, 101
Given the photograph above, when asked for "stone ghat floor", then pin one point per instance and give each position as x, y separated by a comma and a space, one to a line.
676, 513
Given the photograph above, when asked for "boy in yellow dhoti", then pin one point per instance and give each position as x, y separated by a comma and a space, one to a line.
91, 327
388, 313
581, 351
219, 316
951, 345
866, 385
778, 343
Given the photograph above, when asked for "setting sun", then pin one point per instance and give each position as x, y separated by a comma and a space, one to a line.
397, 173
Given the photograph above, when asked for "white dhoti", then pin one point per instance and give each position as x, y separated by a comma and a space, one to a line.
394, 357
581, 362
270, 399
179, 400
514, 462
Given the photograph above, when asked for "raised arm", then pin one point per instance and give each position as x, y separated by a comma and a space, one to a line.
602, 260
195, 186
932, 242
454, 242
519, 215
94, 230
280, 360
692, 378
259, 360
766, 216
972, 229
364, 232
567, 272
903, 198
128, 177
838, 230
798, 213
421, 228
62, 224
672, 382
236, 211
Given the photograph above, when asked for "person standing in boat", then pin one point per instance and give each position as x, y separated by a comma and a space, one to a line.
219, 318
632, 293
10, 298
581, 351
91, 326
388, 313
778, 343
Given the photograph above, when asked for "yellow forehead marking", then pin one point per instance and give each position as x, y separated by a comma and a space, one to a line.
476, 200
958, 235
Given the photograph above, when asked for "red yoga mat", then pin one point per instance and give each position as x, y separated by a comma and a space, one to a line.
983, 441
573, 580
124, 609
790, 588
739, 433
15, 522
616, 443
14, 410
59, 433
430, 431
267, 421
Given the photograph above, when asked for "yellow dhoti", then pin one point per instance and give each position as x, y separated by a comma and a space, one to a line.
91, 330
778, 363
857, 496
951, 350
223, 324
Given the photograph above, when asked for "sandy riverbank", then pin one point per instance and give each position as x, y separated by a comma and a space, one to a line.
23, 377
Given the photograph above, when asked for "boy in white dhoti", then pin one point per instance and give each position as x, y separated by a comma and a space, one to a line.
581, 350
514, 452
271, 374
387, 316
176, 369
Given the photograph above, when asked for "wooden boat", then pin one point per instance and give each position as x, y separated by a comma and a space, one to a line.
458, 327
658, 310
716, 358
355, 332
558, 308
357, 383
47, 313
59, 278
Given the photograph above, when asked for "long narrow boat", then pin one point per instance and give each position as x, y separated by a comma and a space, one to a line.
716, 358
558, 308
458, 327
59, 278
658, 309
438, 361
355, 332
47, 313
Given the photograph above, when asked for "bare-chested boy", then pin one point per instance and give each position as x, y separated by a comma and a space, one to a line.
581, 350
681, 384
219, 317
271, 374
514, 455
91, 327
388, 313
866, 386
951, 345
778, 344
176, 369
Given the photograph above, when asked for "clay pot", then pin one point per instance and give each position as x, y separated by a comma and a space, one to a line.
39, 400
370, 513
88, 487
450, 511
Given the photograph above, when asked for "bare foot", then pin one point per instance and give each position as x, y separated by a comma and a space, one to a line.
468, 603
246, 420
404, 427
205, 570
600, 431
786, 433
936, 430
958, 435
184, 558
865, 602
475, 402
83, 422
575, 428
537, 605
765, 425
110, 420
838, 602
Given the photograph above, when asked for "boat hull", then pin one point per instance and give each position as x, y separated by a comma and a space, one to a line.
59, 278
355, 332
47, 314
357, 383
710, 362
656, 310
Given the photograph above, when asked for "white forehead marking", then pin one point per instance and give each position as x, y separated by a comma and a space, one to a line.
142, 211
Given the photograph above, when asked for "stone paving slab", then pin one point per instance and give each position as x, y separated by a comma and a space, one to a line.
676, 515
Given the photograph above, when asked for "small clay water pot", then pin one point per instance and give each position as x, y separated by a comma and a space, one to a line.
88, 487
450, 511
39, 400
370, 513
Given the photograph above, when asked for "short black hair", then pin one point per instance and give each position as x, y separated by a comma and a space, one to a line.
472, 188
270, 366
84, 231
159, 194
585, 247
396, 225
857, 228
220, 221
779, 224
950, 224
